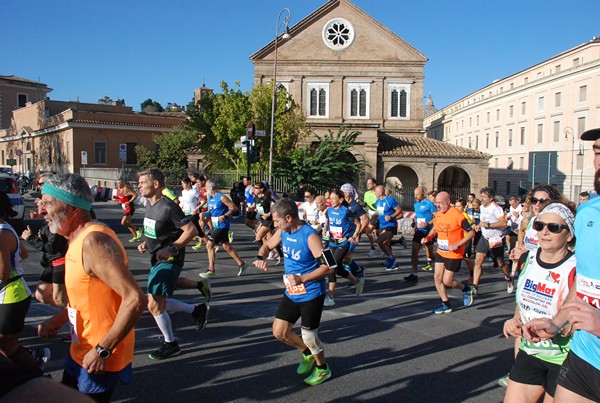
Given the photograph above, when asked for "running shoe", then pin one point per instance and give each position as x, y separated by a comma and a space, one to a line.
217, 248
318, 376
242, 268
41, 356
442, 309
468, 296
503, 381
165, 350
412, 278
329, 301
134, 239
204, 288
381, 255
510, 287
230, 236
139, 233
372, 253
360, 286
474, 289
306, 364
198, 246
389, 265
273, 255
427, 267
200, 314
207, 274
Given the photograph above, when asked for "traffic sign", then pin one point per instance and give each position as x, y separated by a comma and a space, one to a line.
122, 152
84, 158
241, 144
19, 152
250, 130
261, 133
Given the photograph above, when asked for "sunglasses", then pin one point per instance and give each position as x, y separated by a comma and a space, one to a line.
552, 226
535, 200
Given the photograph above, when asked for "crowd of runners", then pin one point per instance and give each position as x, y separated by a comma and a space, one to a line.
538, 244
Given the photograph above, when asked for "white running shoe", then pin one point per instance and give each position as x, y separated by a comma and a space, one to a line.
372, 253
329, 301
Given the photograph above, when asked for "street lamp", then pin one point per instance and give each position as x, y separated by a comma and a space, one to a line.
285, 36
569, 131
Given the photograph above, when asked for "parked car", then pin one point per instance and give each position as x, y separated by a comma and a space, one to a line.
9, 185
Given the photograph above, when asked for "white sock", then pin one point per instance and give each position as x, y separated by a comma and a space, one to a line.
164, 325
174, 305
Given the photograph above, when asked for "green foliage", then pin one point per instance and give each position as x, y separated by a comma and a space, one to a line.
327, 163
221, 119
151, 106
170, 155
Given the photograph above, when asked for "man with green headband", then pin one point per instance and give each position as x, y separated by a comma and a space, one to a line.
105, 301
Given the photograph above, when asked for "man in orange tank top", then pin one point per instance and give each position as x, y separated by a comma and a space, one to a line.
105, 301
453, 232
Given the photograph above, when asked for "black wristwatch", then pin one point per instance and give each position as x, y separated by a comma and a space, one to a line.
103, 352
173, 249
489, 224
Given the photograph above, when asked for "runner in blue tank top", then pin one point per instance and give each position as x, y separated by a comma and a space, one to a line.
304, 281
220, 209
388, 211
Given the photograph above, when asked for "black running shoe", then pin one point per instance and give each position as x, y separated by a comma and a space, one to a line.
166, 350
200, 314
411, 278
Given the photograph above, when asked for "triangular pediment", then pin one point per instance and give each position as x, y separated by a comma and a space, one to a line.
372, 41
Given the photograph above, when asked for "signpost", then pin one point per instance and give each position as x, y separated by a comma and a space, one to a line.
84, 160
123, 152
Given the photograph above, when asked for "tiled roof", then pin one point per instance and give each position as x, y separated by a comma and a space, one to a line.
415, 146
118, 123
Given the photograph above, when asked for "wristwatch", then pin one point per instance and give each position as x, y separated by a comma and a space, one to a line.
103, 352
489, 224
173, 249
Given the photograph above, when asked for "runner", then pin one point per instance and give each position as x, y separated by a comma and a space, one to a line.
105, 301
388, 211
342, 226
126, 196
166, 233
350, 195
221, 208
424, 210
250, 221
454, 232
304, 279
370, 198
309, 207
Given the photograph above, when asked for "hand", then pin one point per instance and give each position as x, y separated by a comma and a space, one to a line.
516, 252
27, 233
261, 264
540, 329
222, 218
422, 224
164, 253
142, 247
513, 327
295, 279
49, 328
583, 316
93, 363
388, 218
354, 239
34, 214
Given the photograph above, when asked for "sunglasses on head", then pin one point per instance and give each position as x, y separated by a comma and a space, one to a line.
552, 226
535, 200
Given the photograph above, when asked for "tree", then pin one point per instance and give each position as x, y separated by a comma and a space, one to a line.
221, 119
170, 155
151, 106
326, 163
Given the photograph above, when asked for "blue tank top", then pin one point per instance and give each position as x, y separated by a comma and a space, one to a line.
298, 259
341, 225
424, 211
249, 195
587, 227
217, 208
385, 207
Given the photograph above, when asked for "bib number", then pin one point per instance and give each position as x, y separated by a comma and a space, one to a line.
495, 242
73, 315
443, 245
293, 289
335, 232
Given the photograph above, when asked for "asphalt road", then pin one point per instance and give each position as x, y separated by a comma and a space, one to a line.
384, 346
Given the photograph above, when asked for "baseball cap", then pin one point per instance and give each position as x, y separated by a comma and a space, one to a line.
593, 134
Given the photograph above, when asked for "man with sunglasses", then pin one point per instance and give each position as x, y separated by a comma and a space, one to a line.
579, 378
492, 224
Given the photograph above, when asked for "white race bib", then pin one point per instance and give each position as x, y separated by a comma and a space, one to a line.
73, 314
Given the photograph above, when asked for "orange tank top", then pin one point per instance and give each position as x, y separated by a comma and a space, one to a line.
449, 232
93, 306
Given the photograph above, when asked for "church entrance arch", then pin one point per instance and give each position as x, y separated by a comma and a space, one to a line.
456, 181
402, 181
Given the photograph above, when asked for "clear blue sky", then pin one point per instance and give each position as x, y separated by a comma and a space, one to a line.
165, 49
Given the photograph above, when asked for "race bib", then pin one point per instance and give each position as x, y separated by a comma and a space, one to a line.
215, 221
547, 347
336, 232
588, 291
380, 210
443, 245
73, 315
150, 228
421, 221
260, 209
293, 289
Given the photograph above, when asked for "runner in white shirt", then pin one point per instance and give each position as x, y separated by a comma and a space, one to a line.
311, 212
492, 224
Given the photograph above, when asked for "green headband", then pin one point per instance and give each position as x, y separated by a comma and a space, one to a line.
66, 197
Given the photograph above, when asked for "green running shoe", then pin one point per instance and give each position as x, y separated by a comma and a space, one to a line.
198, 246
242, 268
318, 376
306, 364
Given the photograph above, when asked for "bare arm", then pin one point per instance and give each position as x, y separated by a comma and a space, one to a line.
267, 246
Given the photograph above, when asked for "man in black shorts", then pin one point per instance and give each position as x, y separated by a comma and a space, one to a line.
304, 280
166, 233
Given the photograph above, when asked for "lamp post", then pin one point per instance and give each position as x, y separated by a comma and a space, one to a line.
569, 131
285, 36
